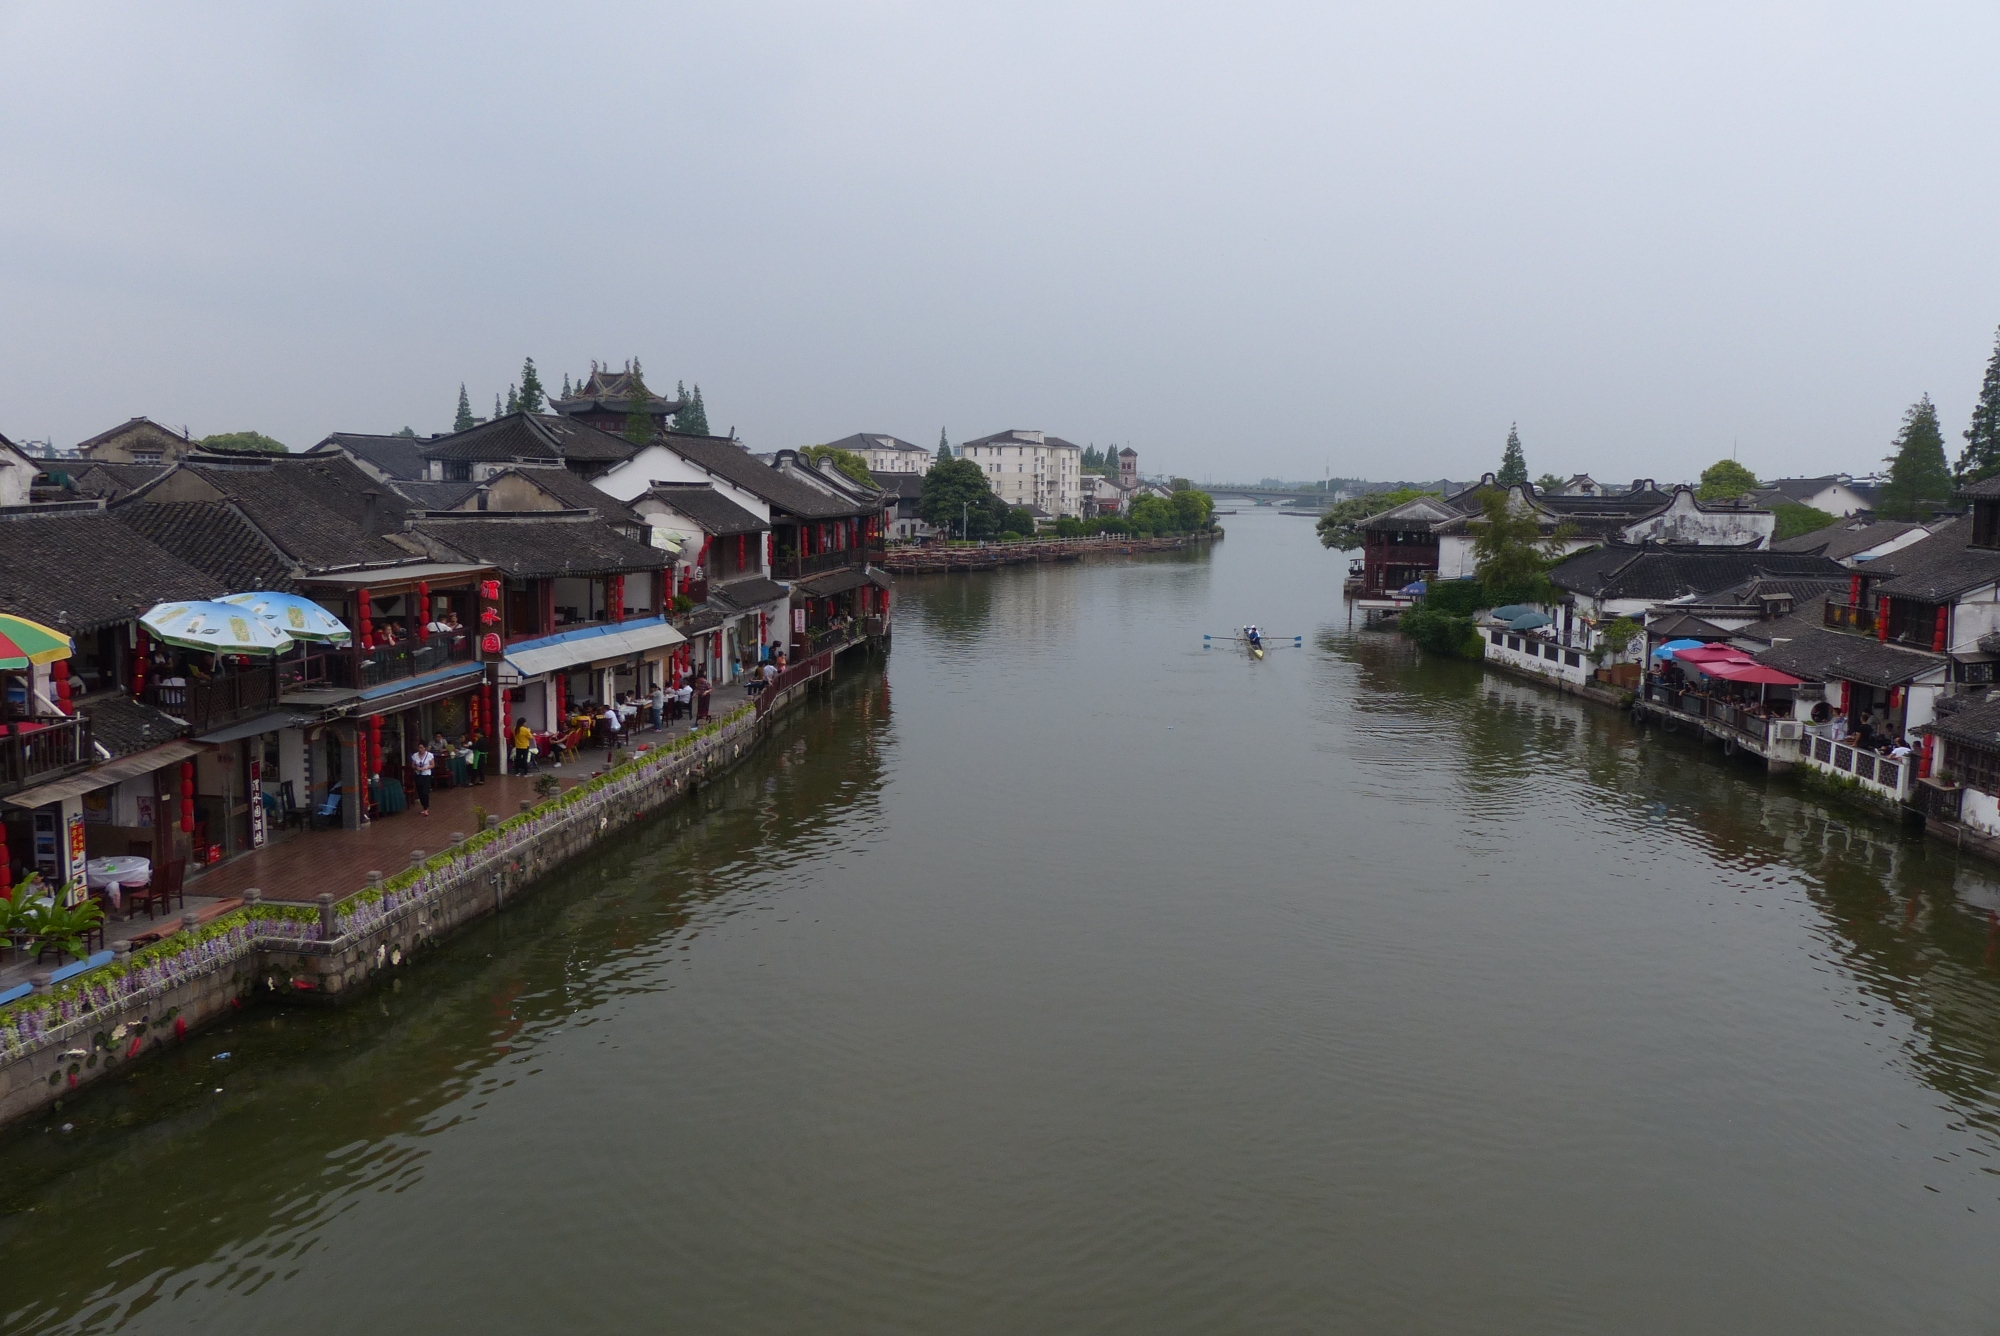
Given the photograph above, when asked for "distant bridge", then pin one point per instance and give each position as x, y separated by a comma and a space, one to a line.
1271, 496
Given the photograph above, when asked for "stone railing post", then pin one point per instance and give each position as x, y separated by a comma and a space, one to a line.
326, 923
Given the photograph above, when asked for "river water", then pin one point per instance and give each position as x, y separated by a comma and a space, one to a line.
1061, 976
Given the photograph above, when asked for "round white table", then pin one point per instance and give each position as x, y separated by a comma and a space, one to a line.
111, 875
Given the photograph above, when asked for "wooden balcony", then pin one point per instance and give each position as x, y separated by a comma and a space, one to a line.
43, 750
216, 701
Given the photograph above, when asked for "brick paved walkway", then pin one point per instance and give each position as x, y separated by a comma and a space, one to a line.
299, 865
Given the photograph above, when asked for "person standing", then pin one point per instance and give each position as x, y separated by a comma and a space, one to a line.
701, 690
613, 722
422, 762
524, 741
659, 704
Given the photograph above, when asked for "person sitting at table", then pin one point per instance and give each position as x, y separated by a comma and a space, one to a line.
684, 699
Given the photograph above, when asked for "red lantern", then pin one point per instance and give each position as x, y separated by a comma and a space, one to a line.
423, 610
59, 673
187, 797
364, 619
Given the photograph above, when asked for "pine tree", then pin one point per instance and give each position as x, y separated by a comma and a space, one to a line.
944, 448
513, 400
1919, 482
496, 406
1982, 439
531, 388
693, 419
638, 399
567, 392
1513, 464
464, 418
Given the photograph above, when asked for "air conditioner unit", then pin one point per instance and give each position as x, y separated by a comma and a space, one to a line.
1785, 730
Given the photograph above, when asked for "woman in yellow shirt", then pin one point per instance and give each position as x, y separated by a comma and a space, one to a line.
524, 739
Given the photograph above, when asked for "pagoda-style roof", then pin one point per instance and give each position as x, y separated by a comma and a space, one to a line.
609, 391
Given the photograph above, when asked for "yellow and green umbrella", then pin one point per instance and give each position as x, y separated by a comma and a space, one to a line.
217, 628
23, 642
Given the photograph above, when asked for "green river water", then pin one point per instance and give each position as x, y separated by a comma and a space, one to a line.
1055, 975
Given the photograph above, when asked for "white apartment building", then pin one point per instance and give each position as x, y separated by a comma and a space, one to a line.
886, 454
1031, 468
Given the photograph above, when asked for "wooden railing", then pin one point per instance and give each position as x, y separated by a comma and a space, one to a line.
1848, 617
795, 567
356, 668
214, 701
801, 670
45, 752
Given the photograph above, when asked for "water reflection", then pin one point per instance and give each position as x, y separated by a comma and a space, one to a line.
226, 1161
1912, 921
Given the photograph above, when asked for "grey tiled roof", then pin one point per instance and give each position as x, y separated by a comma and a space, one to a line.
1976, 724
434, 495
214, 538
312, 507
123, 725
111, 481
1936, 568
713, 511
730, 461
1840, 540
1819, 655
751, 592
543, 547
80, 570
1650, 572
400, 457
517, 436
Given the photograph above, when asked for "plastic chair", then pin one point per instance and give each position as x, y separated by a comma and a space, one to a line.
328, 811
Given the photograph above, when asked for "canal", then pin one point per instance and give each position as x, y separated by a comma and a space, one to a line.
1061, 976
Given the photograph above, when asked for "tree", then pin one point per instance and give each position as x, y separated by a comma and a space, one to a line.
1918, 482
1549, 484
408, 433
464, 418
638, 399
692, 419
944, 448
956, 493
853, 465
1795, 519
1725, 480
1510, 549
1340, 526
1193, 510
531, 388
567, 391
513, 400
1513, 464
1982, 439
496, 406
1019, 521
244, 440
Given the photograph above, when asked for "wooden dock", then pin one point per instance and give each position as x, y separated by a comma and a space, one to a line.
935, 559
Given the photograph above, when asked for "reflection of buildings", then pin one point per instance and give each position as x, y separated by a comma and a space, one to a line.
1908, 921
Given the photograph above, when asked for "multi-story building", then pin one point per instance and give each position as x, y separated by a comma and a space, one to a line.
1031, 468
886, 454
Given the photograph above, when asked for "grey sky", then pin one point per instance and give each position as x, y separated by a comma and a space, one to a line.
1248, 240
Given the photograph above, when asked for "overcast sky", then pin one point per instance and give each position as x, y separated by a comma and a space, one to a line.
1246, 239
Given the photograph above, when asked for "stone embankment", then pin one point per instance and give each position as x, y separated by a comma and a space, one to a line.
83, 1029
931, 559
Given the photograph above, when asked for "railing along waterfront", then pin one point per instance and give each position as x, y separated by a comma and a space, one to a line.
357, 668
1888, 772
1748, 724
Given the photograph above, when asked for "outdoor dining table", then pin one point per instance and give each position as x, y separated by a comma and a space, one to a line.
112, 875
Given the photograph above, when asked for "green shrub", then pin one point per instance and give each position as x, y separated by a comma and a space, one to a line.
1460, 598
1443, 632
